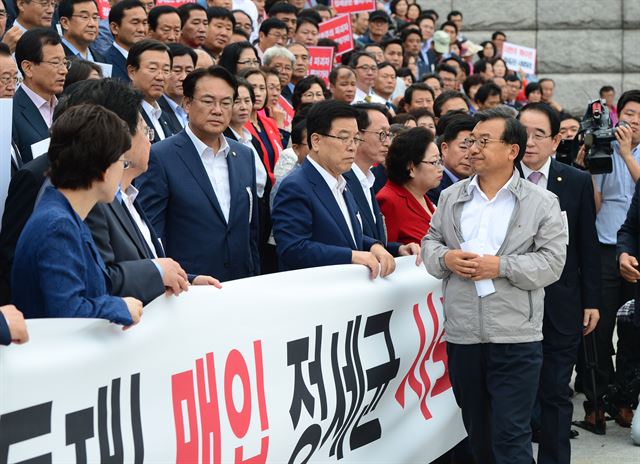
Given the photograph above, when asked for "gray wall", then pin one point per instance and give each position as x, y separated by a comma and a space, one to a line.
582, 44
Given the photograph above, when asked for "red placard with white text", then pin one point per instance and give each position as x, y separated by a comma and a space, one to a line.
353, 6
321, 62
285, 106
339, 29
174, 3
104, 7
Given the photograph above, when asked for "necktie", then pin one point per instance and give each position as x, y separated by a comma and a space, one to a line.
535, 177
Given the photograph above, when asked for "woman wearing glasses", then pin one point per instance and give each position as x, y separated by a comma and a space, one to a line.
238, 56
413, 167
58, 271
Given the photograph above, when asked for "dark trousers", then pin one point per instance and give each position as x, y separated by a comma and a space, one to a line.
560, 353
615, 292
495, 385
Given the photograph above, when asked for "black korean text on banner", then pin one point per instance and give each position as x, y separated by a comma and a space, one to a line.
194, 431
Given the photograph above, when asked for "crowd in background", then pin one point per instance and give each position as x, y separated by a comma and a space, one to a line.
211, 153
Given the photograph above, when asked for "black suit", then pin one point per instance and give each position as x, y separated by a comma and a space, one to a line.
370, 227
16, 163
629, 241
21, 199
125, 252
434, 194
579, 288
164, 122
113, 57
97, 57
170, 115
28, 125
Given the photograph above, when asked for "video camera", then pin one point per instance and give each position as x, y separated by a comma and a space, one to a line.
596, 134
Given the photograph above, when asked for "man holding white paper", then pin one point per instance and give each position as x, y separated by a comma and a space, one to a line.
508, 235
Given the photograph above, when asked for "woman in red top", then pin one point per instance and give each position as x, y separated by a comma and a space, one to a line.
414, 167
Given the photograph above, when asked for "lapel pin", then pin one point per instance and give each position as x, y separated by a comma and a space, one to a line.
559, 179
233, 153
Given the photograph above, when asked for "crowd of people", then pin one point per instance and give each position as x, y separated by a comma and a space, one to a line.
184, 167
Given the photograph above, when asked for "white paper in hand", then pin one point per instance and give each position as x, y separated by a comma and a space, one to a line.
40, 148
483, 287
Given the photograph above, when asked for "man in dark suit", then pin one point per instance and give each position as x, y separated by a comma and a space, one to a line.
43, 65
571, 303
373, 123
149, 67
128, 23
79, 21
184, 61
200, 189
455, 153
315, 219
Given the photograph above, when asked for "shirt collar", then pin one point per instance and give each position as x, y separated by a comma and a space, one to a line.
20, 26
152, 110
201, 147
453, 177
77, 52
37, 99
475, 187
174, 106
130, 193
244, 137
334, 184
544, 170
124, 52
366, 179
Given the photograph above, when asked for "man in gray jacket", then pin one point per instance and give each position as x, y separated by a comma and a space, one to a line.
496, 241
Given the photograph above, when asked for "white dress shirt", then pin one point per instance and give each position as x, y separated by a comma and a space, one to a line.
124, 52
544, 170
366, 182
128, 197
337, 187
487, 220
217, 169
181, 114
154, 112
261, 173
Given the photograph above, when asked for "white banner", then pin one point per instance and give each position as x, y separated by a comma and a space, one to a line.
519, 58
318, 365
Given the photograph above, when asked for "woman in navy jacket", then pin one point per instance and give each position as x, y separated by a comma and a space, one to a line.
58, 271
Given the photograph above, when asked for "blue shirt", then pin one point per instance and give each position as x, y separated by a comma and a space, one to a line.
617, 189
77, 53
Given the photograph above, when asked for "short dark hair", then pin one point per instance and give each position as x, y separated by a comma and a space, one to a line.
302, 20
189, 83
4, 49
484, 44
495, 35
453, 13
146, 45
333, 75
244, 83
231, 54
390, 41
178, 49
455, 123
30, 45
532, 87
322, 114
446, 68
217, 12
282, 7
409, 91
80, 70
546, 79
156, 12
426, 77
113, 94
606, 88
85, 141
117, 11
486, 90
628, 96
185, 10
65, 7
272, 23
297, 131
239, 31
470, 81
445, 97
407, 148
407, 32
363, 120
552, 115
405, 72
514, 132
310, 13
480, 66
304, 85
355, 57
449, 23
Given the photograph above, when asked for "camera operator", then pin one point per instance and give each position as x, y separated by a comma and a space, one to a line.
613, 194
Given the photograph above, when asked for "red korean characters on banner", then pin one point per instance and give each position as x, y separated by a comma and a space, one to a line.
320, 62
353, 6
338, 29
285, 106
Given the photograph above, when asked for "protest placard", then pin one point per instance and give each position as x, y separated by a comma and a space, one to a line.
339, 29
353, 6
320, 62
518, 57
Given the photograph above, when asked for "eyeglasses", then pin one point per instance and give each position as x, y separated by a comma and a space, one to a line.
480, 143
438, 164
345, 139
225, 103
249, 62
280, 68
8, 80
367, 68
149, 132
45, 3
58, 64
86, 18
125, 163
382, 135
278, 36
166, 72
537, 136
313, 95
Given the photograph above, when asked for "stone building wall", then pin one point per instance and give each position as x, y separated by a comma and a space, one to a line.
581, 44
